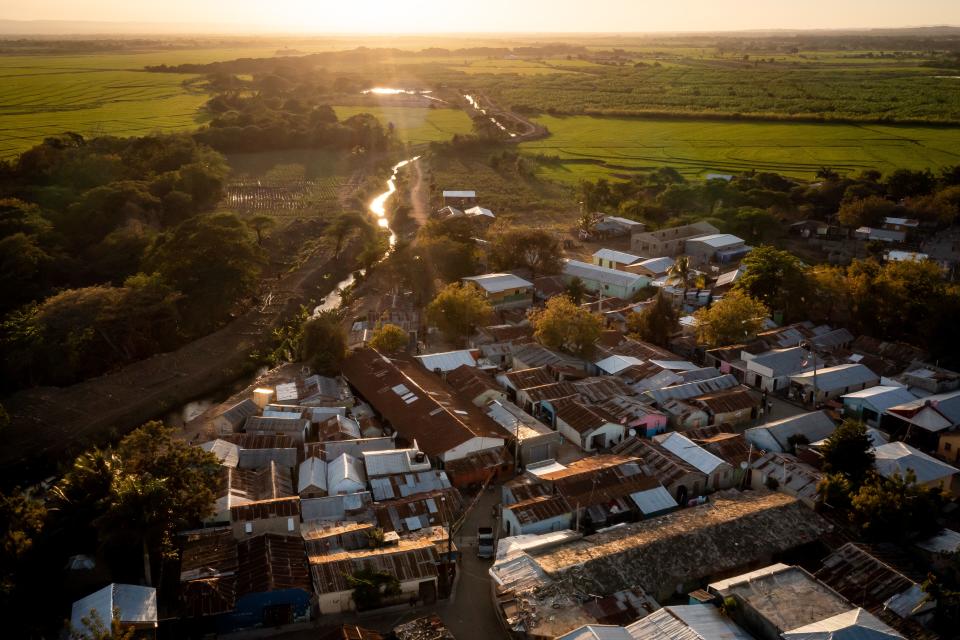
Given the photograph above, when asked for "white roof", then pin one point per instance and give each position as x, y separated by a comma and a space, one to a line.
881, 397
479, 211
906, 256
658, 265
620, 257
459, 194
287, 391
947, 541
587, 271
390, 461
898, 457
904, 222
227, 453
597, 632
856, 624
654, 500
615, 364
675, 365
838, 377
497, 282
689, 451
717, 240
448, 360
686, 622
136, 605
345, 474
545, 467
313, 473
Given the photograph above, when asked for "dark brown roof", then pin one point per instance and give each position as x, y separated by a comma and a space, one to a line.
411, 560
350, 632
256, 441
730, 447
527, 378
727, 401
478, 461
638, 349
272, 562
580, 417
539, 508
507, 332
434, 508
272, 481
601, 388
208, 567
665, 467
418, 404
551, 391
868, 575
278, 508
427, 628
471, 382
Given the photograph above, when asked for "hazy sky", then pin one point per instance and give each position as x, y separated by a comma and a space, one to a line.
422, 16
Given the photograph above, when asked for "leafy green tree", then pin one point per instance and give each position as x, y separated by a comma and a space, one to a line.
565, 326
681, 273
323, 343
389, 338
868, 212
656, 323
525, 247
22, 518
458, 309
450, 259
370, 586
895, 509
212, 260
576, 290
95, 629
906, 183
734, 319
341, 227
834, 491
753, 224
260, 224
848, 451
776, 278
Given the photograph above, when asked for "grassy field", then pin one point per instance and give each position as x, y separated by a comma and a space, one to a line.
43, 95
415, 124
600, 147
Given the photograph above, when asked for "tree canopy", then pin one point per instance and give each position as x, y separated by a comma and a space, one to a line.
323, 343
776, 278
389, 338
458, 309
565, 326
525, 247
849, 451
734, 319
656, 323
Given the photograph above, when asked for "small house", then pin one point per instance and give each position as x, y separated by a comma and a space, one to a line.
870, 405
715, 247
503, 290
719, 472
900, 458
612, 259
278, 515
345, 474
134, 605
459, 198
609, 282
312, 479
232, 420
782, 435
539, 514
590, 428
831, 382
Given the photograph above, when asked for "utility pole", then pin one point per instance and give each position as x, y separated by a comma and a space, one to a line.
811, 349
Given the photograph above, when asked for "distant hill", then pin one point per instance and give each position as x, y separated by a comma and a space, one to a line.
89, 28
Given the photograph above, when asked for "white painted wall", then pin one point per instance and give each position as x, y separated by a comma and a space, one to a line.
612, 431
472, 446
556, 523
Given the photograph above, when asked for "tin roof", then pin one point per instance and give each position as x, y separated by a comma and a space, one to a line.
621, 257
263, 509
448, 360
539, 508
272, 562
587, 271
411, 560
497, 282
692, 453
527, 378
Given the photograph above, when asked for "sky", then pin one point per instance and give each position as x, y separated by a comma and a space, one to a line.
485, 16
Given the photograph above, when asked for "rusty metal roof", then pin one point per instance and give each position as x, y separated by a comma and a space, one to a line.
208, 571
272, 562
728, 401
408, 561
528, 378
539, 508
263, 509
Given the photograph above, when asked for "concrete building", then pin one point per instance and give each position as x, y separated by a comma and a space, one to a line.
771, 371
670, 241
715, 247
609, 282
503, 290
780, 435
540, 514
870, 405
535, 440
831, 382
613, 259
900, 458
590, 428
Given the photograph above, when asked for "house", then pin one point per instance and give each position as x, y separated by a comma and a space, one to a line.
503, 290
231, 420
536, 399
719, 473
636, 416
613, 259
245, 486
590, 428
409, 484
644, 553
448, 360
539, 514
357, 447
771, 371
535, 440
294, 426
785, 473
609, 282
421, 407
616, 227
932, 414
731, 407
681, 479
413, 563
338, 427
479, 213
878, 577
312, 479
258, 451
686, 622
519, 379
870, 405
900, 459
135, 606
683, 414
653, 268
345, 474
477, 386
715, 247
726, 280
948, 446
459, 198
596, 389
532, 354
778, 601
614, 364
857, 623
688, 390
208, 572
882, 235
781, 435
419, 512
351, 506
391, 462
273, 581
669, 241
901, 224
831, 382
279, 515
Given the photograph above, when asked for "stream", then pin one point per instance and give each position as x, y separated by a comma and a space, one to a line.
378, 207
475, 103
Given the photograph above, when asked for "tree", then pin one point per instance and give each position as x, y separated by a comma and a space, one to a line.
565, 326
868, 212
259, 224
323, 343
895, 509
776, 278
458, 309
524, 247
656, 323
732, 320
370, 586
341, 227
21, 519
906, 183
389, 338
576, 290
681, 272
95, 629
849, 452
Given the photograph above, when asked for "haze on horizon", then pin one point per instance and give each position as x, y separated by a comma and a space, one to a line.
491, 16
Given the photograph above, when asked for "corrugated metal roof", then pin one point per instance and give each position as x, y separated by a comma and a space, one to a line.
497, 282
658, 266
587, 271
345, 474
718, 240
459, 194
693, 389
947, 541
448, 360
136, 604
856, 624
227, 453
687, 450
621, 257
899, 457
882, 398
654, 500
313, 474
616, 363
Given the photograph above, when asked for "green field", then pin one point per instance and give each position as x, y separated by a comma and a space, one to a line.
602, 147
415, 124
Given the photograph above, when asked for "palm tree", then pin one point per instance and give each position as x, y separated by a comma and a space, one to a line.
681, 272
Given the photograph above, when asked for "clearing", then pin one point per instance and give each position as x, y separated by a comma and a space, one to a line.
415, 124
596, 147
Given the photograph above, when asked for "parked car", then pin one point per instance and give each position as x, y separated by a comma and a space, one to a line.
484, 542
